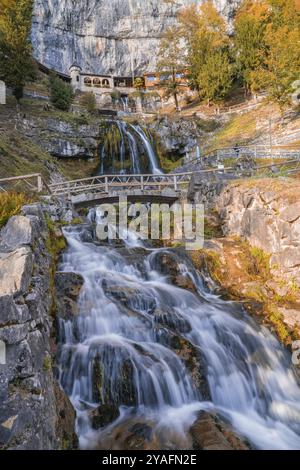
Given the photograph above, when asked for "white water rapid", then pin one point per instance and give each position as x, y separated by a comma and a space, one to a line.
122, 349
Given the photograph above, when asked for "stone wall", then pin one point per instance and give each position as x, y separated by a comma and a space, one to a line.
34, 411
266, 213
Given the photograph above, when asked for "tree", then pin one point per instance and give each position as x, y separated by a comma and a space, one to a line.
17, 66
282, 64
215, 77
171, 63
139, 84
267, 46
204, 31
61, 93
88, 100
249, 42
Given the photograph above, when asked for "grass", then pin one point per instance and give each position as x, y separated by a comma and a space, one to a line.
238, 130
207, 125
11, 204
19, 156
77, 168
47, 365
168, 164
259, 262
55, 244
276, 319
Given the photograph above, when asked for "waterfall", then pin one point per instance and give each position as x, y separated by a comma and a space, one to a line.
150, 151
122, 145
123, 350
127, 149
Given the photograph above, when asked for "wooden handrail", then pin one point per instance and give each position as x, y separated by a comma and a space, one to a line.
22, 177
40, 181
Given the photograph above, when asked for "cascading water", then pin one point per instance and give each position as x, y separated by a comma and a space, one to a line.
123, 350
150, 151
126, 148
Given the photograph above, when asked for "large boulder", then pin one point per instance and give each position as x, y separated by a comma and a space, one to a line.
66, 418
103, 415
68, 286
168, 263
130, 297
209, 432
191, 356
16, 271
17, 232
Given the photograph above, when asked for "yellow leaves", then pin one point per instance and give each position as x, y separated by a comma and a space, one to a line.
211, 19
11, 204
257, 10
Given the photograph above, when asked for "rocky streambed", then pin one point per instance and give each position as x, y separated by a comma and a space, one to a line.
134, 344
151, 358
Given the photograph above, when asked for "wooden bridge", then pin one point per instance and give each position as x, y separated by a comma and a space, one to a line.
146, 186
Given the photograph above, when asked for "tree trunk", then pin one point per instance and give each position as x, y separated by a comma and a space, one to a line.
176, 101
174, 89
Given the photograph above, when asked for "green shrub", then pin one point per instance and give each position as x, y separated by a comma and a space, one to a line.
88, 101
115, 96
61, 94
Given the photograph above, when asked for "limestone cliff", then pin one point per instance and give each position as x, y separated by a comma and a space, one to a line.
105, 36
35, 413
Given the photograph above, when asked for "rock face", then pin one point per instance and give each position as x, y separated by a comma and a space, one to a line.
176, 136
63, 139
267, 215
206, 188
35, 413
117, 37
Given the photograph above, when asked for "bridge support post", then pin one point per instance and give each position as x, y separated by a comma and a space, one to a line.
106, 184
142, 183
175, 183
39, 184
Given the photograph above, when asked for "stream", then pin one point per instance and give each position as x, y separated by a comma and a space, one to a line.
152, 355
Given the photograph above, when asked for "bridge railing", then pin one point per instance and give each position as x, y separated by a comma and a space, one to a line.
251, 151
109, 183
33, 182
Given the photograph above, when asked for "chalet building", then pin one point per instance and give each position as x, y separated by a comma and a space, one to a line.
156, 80
99, 84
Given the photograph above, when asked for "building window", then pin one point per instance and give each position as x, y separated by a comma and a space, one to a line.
165, 77
151, 78
105, 83
97, 82
88, 81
